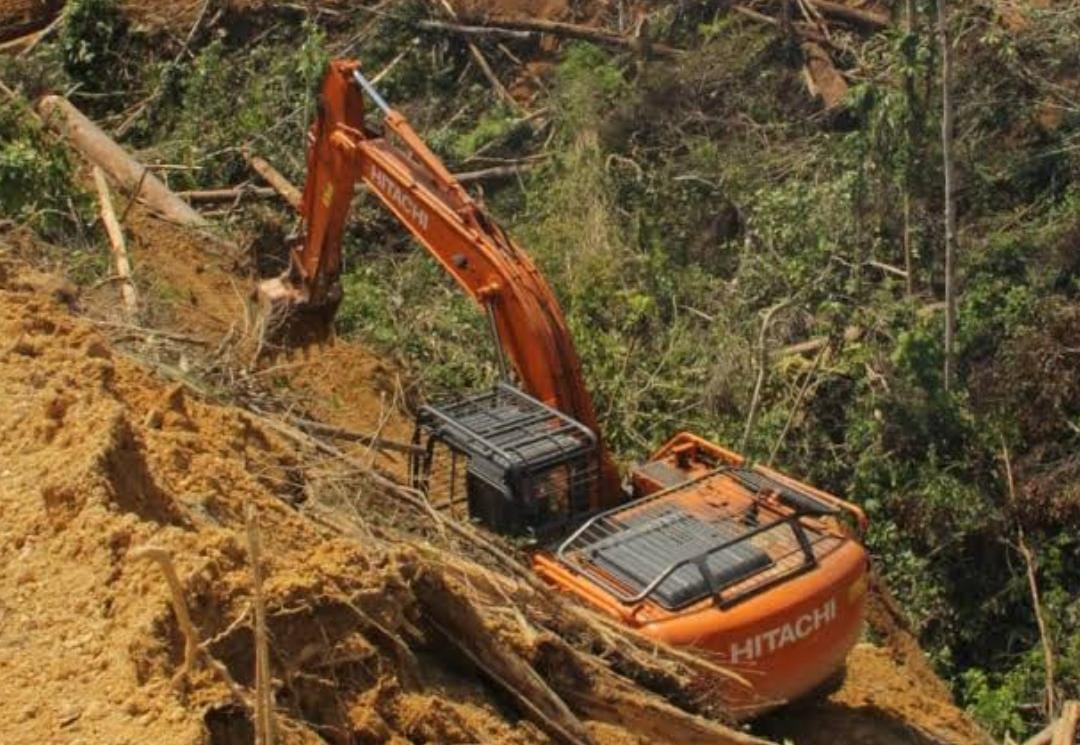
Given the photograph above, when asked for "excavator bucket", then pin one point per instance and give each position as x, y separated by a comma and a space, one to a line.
287, 317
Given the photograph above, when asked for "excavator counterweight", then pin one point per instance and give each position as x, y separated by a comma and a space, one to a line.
759, 571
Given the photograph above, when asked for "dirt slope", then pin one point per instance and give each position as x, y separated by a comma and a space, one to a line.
99, 457
198, 287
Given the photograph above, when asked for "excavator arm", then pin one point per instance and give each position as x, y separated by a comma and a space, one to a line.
411, 181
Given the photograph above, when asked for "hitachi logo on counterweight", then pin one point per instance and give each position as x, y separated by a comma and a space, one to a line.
776, 638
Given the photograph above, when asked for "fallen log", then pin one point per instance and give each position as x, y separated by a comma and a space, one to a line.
340, 433
458, 619
214, 196
116, 244
600, 694
496, 172
273, 176
652, 718
1066, 730
134, 177
490, 31
865, 18
571, 31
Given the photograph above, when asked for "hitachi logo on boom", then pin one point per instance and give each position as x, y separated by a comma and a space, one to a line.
776, 638
400, 197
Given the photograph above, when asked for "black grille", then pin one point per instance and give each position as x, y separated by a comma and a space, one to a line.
655, 539
519, 465
710, 536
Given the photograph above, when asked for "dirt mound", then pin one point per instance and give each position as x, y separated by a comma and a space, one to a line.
881, 702
373, 639
200, 289
100, 458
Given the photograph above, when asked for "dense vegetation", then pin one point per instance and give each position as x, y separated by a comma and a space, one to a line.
676, 205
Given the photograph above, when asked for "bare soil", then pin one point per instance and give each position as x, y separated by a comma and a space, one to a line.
100, 457
889, 696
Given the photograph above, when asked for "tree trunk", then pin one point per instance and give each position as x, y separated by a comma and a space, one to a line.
101, 150
950, 204
912, 145
273, 176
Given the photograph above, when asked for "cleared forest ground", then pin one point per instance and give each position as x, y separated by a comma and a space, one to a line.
103, 455
118, 434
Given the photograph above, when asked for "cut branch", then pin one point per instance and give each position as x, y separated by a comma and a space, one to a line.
1033, 585
19, 22
264, 701
273, 177
762, 363
163, 558
116, 244
25, 44
192, 647
572, 31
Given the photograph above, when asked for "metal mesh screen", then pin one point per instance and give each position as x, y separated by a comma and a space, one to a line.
711, 536
511, 462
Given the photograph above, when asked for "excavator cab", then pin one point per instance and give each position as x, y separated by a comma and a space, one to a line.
518, 466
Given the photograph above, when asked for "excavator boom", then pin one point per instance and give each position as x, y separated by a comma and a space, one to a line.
417, 188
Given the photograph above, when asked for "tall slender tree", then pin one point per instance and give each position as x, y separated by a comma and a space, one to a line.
912, 144
947, 128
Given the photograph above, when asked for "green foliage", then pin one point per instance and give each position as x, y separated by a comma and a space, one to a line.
91, 41
996, 706
36, 175
264, 101
493, 126
445, 340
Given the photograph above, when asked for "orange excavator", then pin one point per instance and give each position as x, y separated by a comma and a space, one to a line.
697, 546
